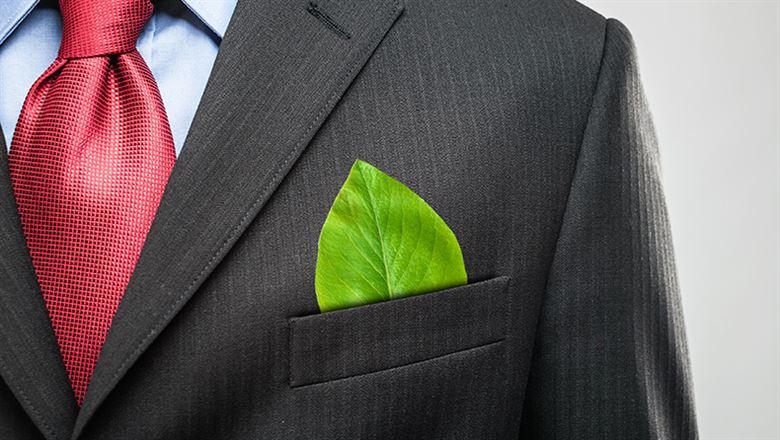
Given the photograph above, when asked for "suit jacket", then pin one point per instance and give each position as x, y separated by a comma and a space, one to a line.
523, 123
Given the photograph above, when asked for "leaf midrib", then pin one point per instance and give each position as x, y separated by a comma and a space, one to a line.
375, 219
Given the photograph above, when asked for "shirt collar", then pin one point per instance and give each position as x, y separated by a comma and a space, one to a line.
213, 13
13, 12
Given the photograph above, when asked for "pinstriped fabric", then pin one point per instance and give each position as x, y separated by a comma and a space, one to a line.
482, 105
611, 356
661, 353
89, 161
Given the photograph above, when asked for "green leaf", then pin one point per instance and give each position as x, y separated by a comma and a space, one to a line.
381, 241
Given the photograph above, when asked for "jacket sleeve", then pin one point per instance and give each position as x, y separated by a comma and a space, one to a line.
610, 357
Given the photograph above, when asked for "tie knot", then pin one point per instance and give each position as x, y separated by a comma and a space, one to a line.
101, 27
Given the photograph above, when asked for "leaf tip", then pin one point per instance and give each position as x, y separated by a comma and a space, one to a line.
362, 165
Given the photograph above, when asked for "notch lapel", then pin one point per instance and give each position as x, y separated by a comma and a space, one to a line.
282, 66
30, 360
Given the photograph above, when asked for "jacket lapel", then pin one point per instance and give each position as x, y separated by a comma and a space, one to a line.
282, 66
30, 361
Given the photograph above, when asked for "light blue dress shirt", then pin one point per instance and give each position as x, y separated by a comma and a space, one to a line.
179, 44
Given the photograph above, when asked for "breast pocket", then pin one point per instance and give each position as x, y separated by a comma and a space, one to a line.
396, 333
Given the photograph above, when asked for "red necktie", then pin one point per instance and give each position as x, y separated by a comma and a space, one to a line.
89, 160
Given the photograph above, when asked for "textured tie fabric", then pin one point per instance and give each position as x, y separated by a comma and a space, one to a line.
89, 161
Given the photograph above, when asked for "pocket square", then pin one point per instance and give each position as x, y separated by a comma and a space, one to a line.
381, 241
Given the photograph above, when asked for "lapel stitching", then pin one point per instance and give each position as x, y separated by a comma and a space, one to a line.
110, 369
43, 424
315, 10
250, 214
30, 360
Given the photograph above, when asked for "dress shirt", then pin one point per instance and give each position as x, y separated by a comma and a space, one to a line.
179, 44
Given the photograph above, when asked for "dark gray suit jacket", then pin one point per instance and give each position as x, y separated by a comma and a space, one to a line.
523, 123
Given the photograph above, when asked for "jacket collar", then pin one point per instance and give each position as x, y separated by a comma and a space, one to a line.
282, 67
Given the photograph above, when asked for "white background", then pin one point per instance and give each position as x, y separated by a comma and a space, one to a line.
710, 70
